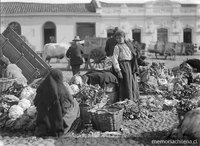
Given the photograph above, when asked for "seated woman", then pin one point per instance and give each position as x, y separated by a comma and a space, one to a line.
57, 109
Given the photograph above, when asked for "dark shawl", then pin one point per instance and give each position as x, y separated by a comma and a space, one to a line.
101, 77
134, 63
110, 44
52, 100
195, 63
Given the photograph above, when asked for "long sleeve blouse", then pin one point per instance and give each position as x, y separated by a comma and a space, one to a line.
121, 52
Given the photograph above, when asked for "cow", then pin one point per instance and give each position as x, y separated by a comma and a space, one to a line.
54, 50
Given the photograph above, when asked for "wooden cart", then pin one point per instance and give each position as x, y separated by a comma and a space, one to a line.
163, 50
19, 53
94, 52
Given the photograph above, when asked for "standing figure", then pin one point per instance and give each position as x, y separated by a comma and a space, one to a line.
57, 110
110, 44
75, 52
52, 39
126, 67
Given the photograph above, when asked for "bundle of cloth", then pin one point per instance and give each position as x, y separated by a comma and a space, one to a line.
10, 70
14, 72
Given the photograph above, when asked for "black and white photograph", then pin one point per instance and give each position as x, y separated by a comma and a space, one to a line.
99, 72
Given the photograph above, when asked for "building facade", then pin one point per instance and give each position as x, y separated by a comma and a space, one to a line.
161, 20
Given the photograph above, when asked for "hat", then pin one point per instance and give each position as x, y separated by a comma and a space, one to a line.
115, 29
76, 38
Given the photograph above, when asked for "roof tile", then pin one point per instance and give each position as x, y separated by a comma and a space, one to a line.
24, 8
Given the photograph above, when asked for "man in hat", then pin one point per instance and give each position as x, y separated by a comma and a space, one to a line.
110, 44
75, 52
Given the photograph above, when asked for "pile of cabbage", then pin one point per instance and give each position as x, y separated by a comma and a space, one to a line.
91, 95
17, 111
172, 87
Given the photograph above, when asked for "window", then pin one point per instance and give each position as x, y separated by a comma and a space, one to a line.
16, 27
85, 30
49, 32
162, 35
187, 35
136, 35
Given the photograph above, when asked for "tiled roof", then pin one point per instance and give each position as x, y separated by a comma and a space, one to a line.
30, 8
188, 5
103, 4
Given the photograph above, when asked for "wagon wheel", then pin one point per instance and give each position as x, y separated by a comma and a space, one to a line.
170, 52
96, 59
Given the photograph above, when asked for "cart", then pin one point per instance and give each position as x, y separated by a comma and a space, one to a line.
162, 49
19, 53
94, 52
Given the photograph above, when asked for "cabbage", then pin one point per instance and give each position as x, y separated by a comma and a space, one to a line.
162, 81
28, 93
78, 80
74, 88
31, 111
24, 104
15, 112
68, 88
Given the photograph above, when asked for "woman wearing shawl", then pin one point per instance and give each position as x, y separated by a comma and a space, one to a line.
56, 108
125, 64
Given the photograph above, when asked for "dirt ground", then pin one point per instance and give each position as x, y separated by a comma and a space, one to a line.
136, 132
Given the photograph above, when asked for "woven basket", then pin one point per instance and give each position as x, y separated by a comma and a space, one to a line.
5, 83
112, 97
85, 114
109, 119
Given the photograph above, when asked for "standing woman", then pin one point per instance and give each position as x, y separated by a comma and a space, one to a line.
125, 64
56, 108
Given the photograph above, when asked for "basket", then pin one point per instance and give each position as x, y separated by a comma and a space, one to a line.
85, 114
112, 97
109, 119
5, 83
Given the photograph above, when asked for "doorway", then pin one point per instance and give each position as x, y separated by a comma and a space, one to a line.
49, 33
162, 35
187, 35
136, 35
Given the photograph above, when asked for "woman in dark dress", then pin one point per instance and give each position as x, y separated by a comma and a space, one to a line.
56, 107
125, 64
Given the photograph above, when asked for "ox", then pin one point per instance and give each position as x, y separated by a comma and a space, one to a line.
55, 50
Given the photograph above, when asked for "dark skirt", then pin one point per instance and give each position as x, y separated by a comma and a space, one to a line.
128, 86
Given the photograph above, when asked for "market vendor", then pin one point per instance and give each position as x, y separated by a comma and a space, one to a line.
125, 64
57, 109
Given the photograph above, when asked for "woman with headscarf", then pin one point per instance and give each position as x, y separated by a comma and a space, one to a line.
56, 108
126, 67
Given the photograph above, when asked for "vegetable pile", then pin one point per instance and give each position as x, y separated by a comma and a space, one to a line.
172, 86
90, 94
17, 111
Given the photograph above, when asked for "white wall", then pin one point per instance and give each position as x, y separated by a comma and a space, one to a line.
32, 27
